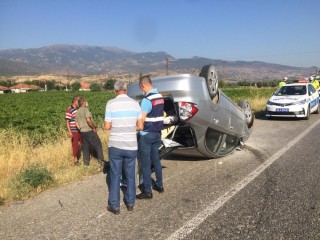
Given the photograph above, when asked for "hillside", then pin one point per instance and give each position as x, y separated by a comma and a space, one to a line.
88, 60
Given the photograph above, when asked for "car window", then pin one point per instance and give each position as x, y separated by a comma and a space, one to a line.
220, 143
213, 139
291, 90
229, 144
311, 88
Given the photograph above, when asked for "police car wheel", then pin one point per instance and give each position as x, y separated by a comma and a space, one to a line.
318, 109
307, 113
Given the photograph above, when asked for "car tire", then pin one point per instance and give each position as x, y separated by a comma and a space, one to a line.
248, 112
318, 109
307, 114
210, 74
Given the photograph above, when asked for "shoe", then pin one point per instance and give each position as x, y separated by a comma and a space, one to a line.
130, 208
114, 211
158, 189
77, 163
106, 167
144, 195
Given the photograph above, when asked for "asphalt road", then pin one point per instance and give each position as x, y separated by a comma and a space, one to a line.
269, 190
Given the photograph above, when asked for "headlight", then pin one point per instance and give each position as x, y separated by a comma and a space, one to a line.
302, 102
270, 103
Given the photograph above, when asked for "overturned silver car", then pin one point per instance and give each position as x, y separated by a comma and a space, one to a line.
201, 121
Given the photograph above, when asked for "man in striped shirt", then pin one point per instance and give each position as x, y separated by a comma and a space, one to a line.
73, 132
123, 118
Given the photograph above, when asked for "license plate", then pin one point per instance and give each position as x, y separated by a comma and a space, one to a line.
282, 109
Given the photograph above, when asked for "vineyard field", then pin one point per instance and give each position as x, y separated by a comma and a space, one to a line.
41, 115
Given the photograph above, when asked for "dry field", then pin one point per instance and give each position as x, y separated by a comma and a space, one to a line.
16, 154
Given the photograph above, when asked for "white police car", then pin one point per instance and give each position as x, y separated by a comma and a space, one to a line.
297, 99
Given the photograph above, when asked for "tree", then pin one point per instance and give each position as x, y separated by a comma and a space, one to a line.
75, 86
50, 85
95, 87
109, 84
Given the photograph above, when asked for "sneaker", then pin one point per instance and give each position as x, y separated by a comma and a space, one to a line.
158, 189
144, 195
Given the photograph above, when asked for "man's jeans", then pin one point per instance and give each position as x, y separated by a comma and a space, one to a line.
91, 139
149, 152
122, 160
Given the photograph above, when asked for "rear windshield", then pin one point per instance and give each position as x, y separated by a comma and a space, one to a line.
291, 90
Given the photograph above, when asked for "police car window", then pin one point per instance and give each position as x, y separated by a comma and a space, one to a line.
285, 90
300, 90
311, 88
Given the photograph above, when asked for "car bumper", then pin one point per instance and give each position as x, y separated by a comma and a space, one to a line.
298, 111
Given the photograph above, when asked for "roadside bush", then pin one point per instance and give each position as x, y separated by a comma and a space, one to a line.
109, 84
95, 87
75, 86
31, 179
36, 175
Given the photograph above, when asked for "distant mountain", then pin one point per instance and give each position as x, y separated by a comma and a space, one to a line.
9, 68
89, 60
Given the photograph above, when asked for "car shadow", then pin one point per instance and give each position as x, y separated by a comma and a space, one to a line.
175, 157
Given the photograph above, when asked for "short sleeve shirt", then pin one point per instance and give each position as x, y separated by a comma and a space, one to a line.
81, 118
71, 116
123, 113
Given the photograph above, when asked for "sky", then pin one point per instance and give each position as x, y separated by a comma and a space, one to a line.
275, 31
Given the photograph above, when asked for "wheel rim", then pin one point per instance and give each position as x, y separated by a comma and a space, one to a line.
213, 83
248, 112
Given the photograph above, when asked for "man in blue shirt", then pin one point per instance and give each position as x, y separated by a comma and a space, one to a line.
152, 106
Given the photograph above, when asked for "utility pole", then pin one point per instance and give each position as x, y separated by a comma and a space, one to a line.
167, 65
224, 69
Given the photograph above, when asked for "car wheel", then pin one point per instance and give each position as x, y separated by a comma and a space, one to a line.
210, 74
248, 112
307, 113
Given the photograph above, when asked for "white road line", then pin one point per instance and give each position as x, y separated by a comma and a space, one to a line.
214, 206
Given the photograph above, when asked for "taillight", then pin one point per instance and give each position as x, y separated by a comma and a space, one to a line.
187, 110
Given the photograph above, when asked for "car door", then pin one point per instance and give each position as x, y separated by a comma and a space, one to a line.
313, 97
220, 118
